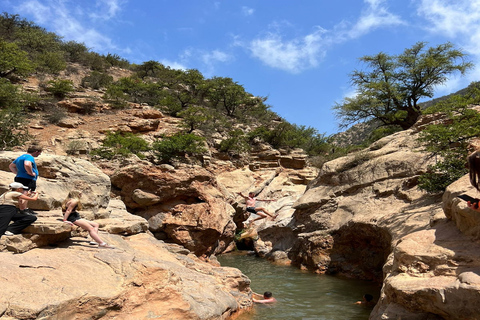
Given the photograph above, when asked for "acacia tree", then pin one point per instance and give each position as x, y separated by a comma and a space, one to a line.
390, 90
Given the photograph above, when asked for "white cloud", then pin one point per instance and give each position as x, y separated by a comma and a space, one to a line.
61, 21
247, 11
375, 16
215, 56
173, 64
458, 21
301, 53
108, 8
292, 55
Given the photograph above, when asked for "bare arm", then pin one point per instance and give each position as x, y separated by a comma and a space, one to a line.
241, 195
13, 167
29, 168
70, 206
28, 198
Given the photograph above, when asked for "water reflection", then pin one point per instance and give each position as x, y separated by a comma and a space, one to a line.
300, 294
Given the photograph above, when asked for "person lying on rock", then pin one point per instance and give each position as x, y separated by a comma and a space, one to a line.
261, 211
265, 299
70, 215
9, 209
474, 167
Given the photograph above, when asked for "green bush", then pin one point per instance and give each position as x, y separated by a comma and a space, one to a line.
97, 80
449, 140
121, 144
236, 143
13, 130
59, 88
51, 62
443, 173
178, 146
54, 114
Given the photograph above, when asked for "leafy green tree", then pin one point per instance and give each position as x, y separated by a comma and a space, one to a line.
184, 89
121, 144
12, 128
391, 89
448, 141
178, 146
116, 97
287, 135
116, 61
51, 62
13, 60
149, 68
194, 117
74, 51
224, 93
13, 131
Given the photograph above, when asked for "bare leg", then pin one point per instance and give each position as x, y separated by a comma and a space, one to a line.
91, 227
265, 210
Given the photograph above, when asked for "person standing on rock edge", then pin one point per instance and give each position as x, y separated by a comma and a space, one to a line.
70, 215
8, 210
26, 173
251, 202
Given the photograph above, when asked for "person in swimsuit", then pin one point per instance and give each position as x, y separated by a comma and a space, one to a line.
261, 211
70, 215
266, 298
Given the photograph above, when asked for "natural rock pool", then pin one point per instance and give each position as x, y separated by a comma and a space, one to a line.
301, 294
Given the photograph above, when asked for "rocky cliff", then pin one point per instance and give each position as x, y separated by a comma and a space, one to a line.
364, 217
361, 216
51, 271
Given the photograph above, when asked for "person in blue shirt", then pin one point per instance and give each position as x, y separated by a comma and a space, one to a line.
26, 172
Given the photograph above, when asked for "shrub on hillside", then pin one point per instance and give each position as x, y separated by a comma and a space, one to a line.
59, 88
236, 143
121, 144
97, 80
449, 140
178, 146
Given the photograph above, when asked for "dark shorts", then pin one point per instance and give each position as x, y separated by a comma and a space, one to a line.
30, 183
251, 210
73, 216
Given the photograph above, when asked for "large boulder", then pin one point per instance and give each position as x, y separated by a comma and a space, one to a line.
434, 273
58, 175
142, 278
181, 206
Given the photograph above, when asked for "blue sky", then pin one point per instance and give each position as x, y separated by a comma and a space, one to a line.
297, 53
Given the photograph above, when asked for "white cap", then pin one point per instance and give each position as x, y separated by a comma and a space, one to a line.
17, 185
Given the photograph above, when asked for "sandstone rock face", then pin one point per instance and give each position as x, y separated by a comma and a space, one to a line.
364, 217
355, 210
57, 177
142, 278
434, 273
181, 206
56, 273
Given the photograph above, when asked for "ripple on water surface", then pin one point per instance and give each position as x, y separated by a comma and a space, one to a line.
301, 295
